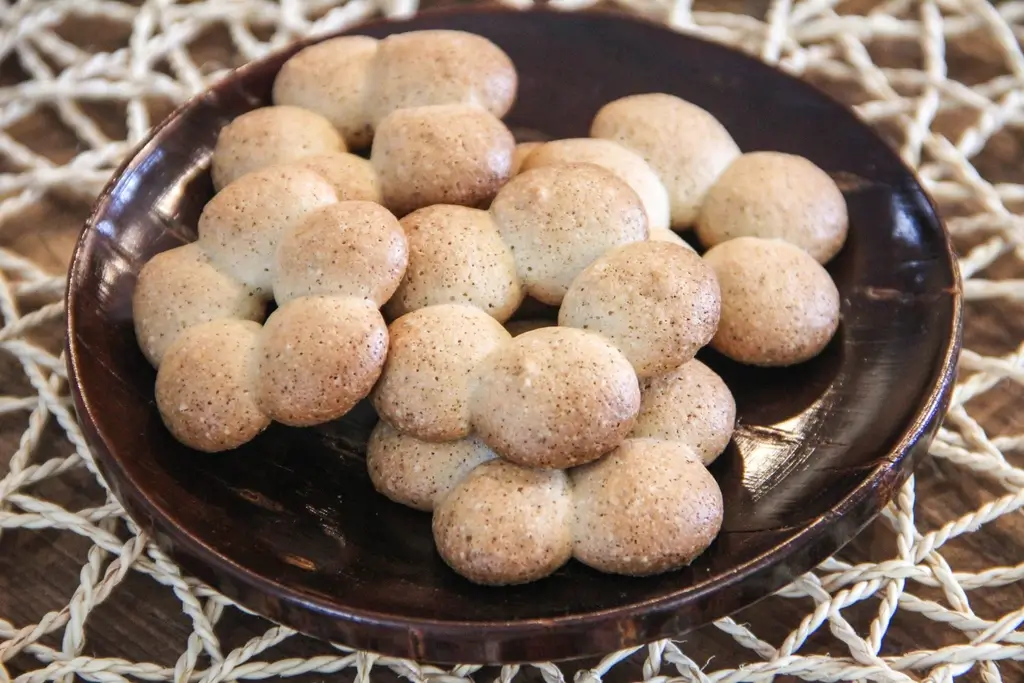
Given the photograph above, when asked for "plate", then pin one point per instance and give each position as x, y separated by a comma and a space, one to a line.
289, 525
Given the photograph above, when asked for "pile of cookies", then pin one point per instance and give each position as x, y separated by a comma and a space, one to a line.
532, 441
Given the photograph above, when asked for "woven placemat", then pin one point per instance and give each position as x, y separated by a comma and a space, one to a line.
82, 80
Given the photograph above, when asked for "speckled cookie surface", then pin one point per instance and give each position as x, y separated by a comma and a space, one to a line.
180, 288
686, 146
242, 225
319, 356
331, 79
457, 256
345, 249
420, 68
420, 474
427, 382
505, 524
351, 176
657, 302
206, 386
560, 219
775, 195
691, 405
267, 136
647, 507
441, 154
623, 162
555, 397
779, 305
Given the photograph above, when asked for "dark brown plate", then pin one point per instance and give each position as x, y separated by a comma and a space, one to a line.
290, 526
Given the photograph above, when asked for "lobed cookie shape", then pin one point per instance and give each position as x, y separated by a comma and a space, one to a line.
505, 524
352, 177
331, 78
427, 383
554, 397
557, 220
319, 356
647, 507
779, 305
685, 145
420, 474
691, 405
355, 82
441, 154
624, 163
420, 68
241, 226
775, 195
457, 256
657, 302
321, 351
355, 249
181, 288
270, 136
206, 388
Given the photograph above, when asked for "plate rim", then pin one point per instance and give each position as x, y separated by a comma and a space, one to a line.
419, 637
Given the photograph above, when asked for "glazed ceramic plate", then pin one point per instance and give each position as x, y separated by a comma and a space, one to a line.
290, 526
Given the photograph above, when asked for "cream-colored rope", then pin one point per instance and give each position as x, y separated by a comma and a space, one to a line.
824, 40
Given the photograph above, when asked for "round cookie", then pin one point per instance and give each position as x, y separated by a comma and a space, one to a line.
691, 405
555, 397
776, 195
420, 68
779, 305
319, 357
686, 146
666, 235
428, 379
206, 386
647, 507
269, 136
611, 156
457, 256
657, 302
441, 154
331, 79
242, 225
420, 474
345, 249
351, 176
522, 150
505, 524
180, 288
560, 219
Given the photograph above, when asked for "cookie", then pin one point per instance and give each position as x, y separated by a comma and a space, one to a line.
779, 305
657, 302
269, 136
429, 377
685, 145
457, 256
555, 397
647, 507
775, 195
559, 219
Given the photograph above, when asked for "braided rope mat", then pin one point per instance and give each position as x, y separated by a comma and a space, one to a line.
899, 62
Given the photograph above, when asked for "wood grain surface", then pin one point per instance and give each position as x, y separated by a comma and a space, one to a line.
38, 571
